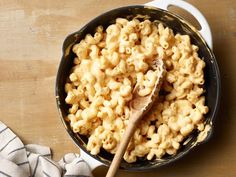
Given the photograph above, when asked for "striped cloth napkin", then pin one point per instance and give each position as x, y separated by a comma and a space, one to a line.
19, 160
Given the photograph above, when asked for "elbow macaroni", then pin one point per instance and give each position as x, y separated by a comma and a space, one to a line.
111, 63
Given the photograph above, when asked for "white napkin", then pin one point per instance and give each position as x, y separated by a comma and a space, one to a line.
19, 160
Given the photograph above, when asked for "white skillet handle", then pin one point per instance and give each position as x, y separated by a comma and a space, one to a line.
205, 31
93, 163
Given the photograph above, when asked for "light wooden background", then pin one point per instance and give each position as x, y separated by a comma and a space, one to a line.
31, 36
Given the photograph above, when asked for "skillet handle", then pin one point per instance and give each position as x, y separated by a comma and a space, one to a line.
205, 31
93, 163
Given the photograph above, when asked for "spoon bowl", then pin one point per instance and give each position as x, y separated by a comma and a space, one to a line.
144, 103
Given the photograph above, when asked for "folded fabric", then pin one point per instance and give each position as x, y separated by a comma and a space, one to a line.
19, 160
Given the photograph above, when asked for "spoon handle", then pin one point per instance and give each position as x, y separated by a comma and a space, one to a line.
123, 144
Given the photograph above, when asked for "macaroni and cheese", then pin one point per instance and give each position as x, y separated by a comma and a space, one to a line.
107, 67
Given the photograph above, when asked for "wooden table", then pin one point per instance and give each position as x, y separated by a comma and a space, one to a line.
31, 36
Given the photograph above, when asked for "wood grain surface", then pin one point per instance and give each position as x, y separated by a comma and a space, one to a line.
31, 37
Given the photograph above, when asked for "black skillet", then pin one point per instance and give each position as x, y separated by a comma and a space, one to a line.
179, 25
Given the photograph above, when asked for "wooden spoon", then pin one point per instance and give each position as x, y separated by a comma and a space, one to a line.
139, 106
